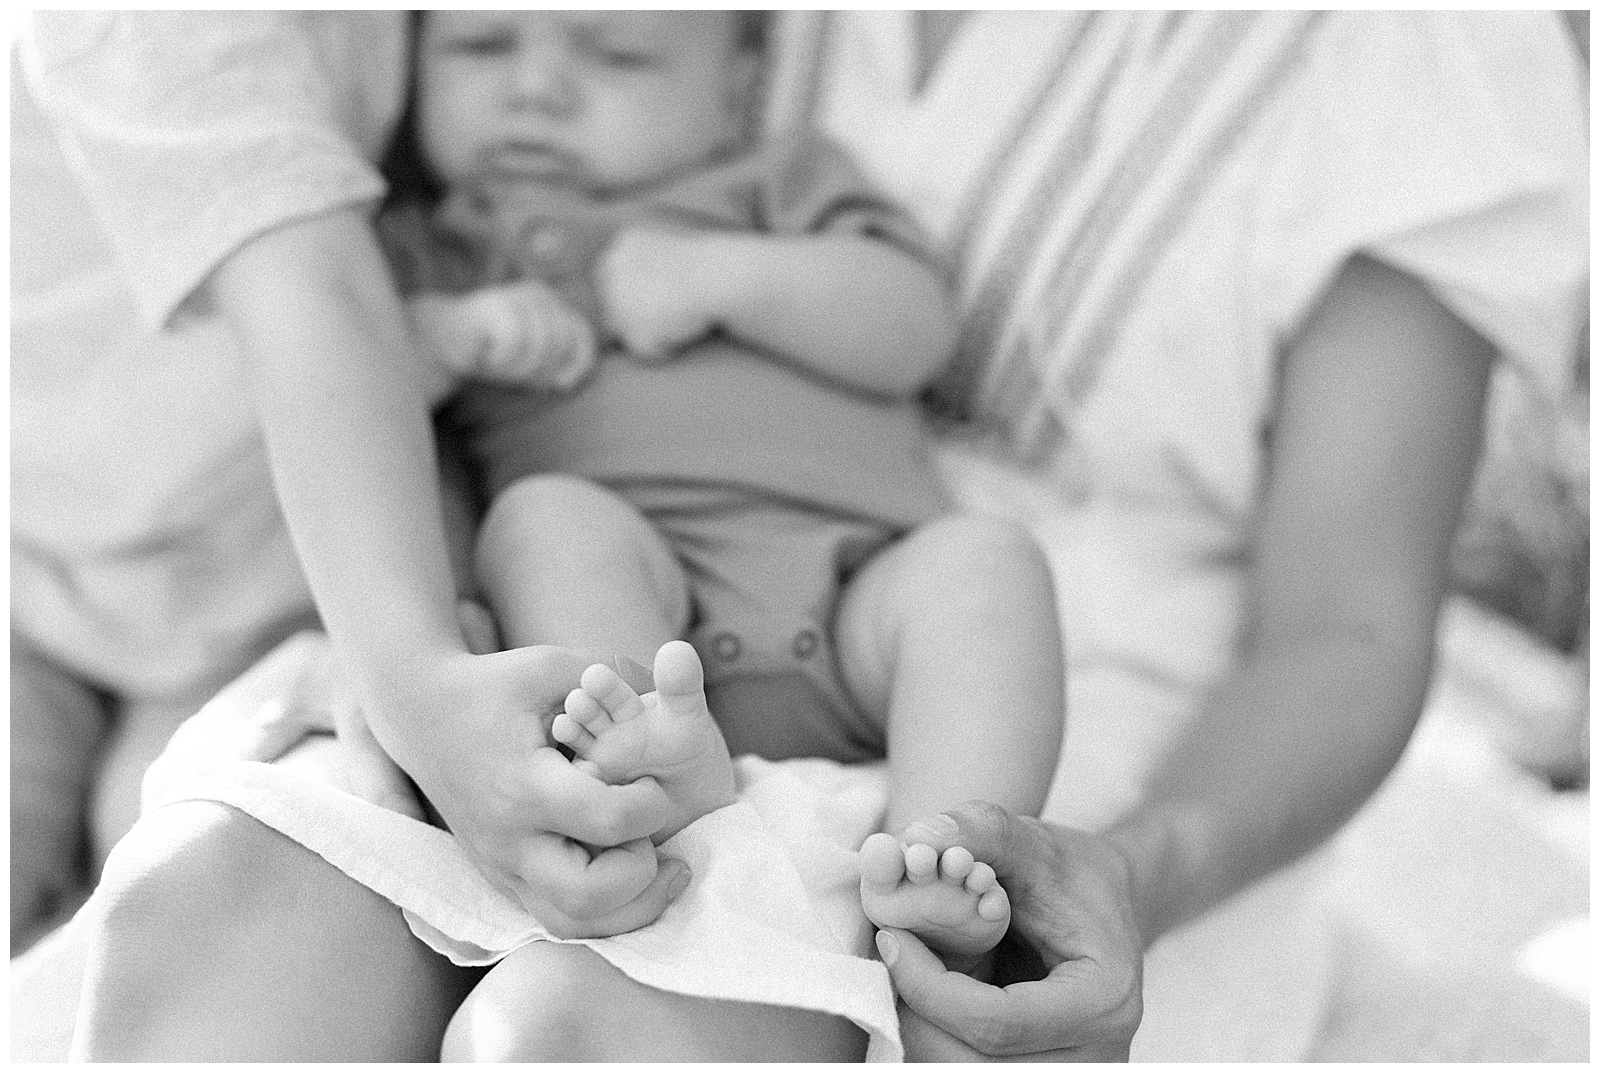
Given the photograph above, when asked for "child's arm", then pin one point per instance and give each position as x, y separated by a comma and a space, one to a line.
855, 309
352, 457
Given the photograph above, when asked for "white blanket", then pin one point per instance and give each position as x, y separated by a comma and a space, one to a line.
1246, 982
772, 914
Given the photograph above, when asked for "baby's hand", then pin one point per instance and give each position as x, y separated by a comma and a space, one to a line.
522, 333
655, 287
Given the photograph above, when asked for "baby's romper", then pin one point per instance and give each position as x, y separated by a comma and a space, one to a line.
771, 485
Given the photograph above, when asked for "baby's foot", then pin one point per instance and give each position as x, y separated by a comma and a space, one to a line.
668, 734
952, 903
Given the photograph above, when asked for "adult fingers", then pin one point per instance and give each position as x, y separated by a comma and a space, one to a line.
953, 1002
927, 1042
992, 833
1064, 1010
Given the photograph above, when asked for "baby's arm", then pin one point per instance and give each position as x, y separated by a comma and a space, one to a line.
853, 308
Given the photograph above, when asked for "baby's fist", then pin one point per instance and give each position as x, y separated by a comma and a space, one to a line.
652, 287
521, 333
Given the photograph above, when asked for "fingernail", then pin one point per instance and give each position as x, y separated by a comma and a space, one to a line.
680, 882
933, 826
888, 949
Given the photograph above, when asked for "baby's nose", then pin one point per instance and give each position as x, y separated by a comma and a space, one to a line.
543, 83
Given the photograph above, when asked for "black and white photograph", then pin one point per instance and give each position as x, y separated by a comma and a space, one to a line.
422, 423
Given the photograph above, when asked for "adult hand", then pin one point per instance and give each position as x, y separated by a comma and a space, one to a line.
653, 286
1071, 899
570, 849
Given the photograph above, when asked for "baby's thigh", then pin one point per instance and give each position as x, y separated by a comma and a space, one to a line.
563, 558
963, 601
550, 1002
572, 519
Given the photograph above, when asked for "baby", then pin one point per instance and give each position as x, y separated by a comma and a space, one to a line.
739, 491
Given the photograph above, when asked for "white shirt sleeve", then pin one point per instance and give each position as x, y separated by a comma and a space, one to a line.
194, 131
1452, 145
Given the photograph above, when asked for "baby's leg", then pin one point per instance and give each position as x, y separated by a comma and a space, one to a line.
564, 561
952, 634
551, 1002
668, 734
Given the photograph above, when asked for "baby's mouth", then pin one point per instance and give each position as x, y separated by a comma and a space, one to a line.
534, 160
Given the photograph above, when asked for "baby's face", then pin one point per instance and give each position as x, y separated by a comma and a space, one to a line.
600, 99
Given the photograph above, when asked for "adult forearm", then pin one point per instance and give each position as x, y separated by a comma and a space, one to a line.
1281, 755
1373, 446
855, 310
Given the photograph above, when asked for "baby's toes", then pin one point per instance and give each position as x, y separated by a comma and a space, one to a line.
955, 864
678, 673
922, 863
614, 695
882, 862
994, 904
981, 879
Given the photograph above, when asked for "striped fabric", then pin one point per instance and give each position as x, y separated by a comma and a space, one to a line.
1073, 212
1083, 194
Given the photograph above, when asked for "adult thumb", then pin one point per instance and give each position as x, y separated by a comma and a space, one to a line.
940, 996
988, 830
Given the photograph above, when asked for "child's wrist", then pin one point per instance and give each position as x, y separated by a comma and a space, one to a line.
407, 703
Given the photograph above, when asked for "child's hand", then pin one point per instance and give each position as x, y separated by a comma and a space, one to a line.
658, 290
568, 848
522, 333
